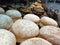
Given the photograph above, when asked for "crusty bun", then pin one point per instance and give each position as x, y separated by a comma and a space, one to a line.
7, 38
2, 10
51, 34
5, 21
35, 41
37, 5
13, 13
25, 29
32, 17
44, 21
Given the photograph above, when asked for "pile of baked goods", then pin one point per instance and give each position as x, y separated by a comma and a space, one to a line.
29, 29
25, 9
36, 8
37, 5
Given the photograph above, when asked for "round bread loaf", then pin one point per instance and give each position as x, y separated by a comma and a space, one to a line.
51, 34
35, 41
5, 21
32, 17
7, 38
44, 21
25, 29
2, 10
14, 13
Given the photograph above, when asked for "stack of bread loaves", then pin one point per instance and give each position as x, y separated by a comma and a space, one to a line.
26, 31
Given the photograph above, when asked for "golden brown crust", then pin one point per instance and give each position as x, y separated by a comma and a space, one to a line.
37, 5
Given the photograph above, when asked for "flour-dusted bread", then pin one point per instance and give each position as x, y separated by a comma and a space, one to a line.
51, 34
32, 17
44, 21
35, 41
2, 10
5, 21
14, 13
7, 38
25, 29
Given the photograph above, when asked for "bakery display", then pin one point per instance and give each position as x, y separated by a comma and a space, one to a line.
20, 23
5, 21
7, 38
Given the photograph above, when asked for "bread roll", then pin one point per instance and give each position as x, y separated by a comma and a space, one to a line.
25, 29
5, 21
44, 21
7, 38
2, 10
15, 14
35, 41
32, 17
51, 34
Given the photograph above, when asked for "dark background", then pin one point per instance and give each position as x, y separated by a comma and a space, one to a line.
22, 1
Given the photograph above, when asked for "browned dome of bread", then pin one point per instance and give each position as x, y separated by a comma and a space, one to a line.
37, 5
51, 34
35, 41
